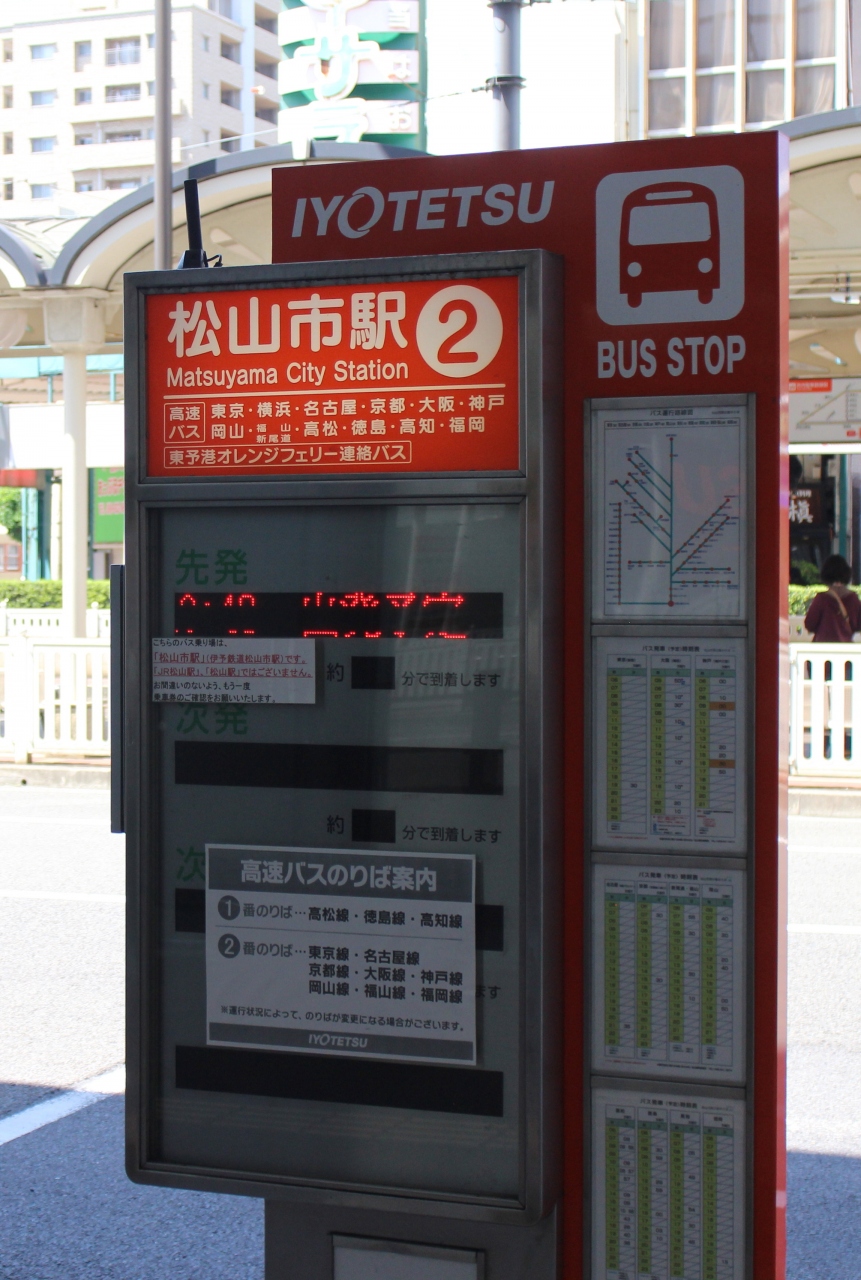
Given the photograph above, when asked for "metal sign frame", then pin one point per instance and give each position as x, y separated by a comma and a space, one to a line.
538, 486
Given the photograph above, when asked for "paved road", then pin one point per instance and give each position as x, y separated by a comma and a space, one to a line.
68, 1212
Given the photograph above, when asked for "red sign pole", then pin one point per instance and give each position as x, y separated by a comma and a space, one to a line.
676, 287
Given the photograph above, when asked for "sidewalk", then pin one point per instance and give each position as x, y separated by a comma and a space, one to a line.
824, 797
90, 773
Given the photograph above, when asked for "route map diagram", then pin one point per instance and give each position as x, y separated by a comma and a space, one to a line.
671, 512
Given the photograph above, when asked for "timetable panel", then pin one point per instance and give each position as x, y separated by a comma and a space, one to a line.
668, 1179
670, 749
668, 971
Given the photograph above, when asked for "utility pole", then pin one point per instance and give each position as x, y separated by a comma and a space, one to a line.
506, 83
163, 177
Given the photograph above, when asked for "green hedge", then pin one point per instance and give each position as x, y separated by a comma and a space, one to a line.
48, 594
800, 598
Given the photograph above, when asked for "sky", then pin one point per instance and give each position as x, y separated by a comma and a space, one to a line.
568, 59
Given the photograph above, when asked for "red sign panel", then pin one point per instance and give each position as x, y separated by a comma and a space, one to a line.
675, 285
418, 376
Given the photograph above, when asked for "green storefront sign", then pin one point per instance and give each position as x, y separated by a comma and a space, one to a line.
109, 505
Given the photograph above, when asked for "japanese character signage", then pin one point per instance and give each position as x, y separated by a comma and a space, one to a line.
404, 377
339, 952
245, 669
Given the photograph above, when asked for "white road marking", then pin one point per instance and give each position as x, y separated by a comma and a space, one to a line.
64, 1104
49, 895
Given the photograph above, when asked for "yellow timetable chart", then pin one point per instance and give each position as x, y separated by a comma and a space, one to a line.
668, 971
670, 750
668, 1179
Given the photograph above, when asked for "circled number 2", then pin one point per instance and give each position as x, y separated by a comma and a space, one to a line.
228, 945
459, 330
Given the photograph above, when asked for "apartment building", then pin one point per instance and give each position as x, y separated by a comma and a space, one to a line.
77, 94
717, 66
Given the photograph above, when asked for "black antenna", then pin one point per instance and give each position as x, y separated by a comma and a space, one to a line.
194, 255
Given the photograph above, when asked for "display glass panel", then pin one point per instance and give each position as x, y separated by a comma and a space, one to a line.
406, 762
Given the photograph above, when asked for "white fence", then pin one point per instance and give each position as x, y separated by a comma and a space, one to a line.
48, 622
54, 697
825, 709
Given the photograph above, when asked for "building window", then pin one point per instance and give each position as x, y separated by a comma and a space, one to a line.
127, 135
765, 96
715, 102
766, 30
11, 552
206, 44
83, 96
269, 114
43, 97
123, 51
206, 135
814, 90
229, 96
229, 141
42, 144
814, 29
41, 190
222, 7
230, 50
8, 145
264, 68
715, 33
84, 184
265, 22
84, 139
150, 40
83, 54
123, 184
150, 88
205, 90
8, 95
39, 51
666, 34
666, 56
8, 189
7, 50
122, 92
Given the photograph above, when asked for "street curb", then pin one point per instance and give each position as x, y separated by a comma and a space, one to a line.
809, 802
92, 777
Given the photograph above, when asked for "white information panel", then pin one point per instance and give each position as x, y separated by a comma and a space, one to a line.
668, 1187
340, 952
244, 669
669, 521
670, 744
668, 971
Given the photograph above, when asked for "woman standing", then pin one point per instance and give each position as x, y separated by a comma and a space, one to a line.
834, 615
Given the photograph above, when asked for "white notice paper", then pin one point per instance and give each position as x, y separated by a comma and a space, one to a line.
236, 669
669, 504
340, 952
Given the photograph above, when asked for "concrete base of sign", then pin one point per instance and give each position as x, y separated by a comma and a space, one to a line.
359, 1244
